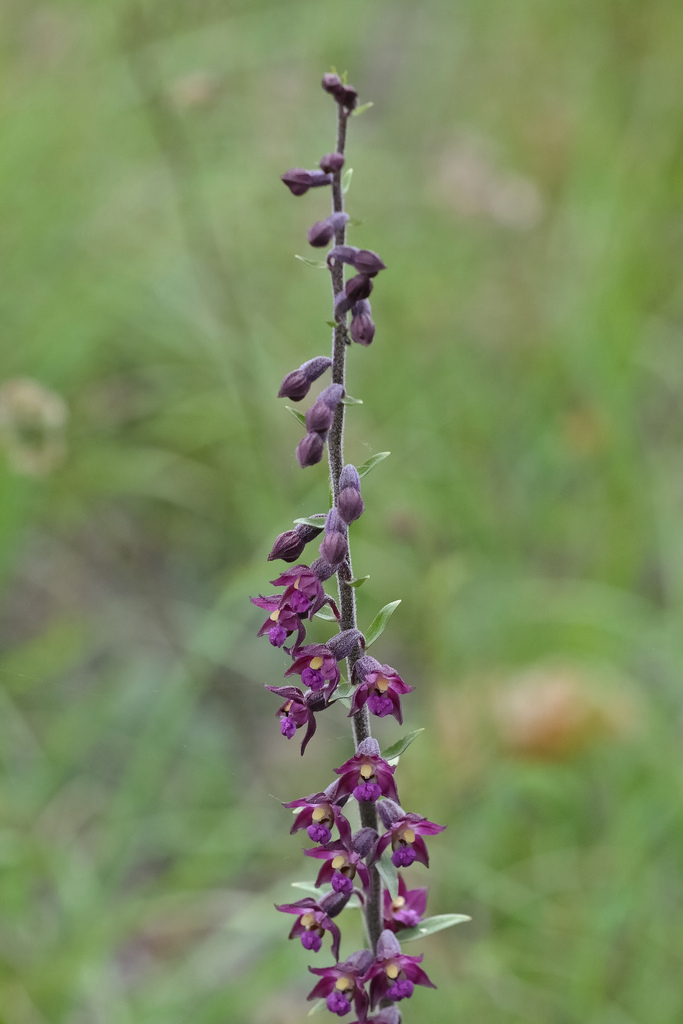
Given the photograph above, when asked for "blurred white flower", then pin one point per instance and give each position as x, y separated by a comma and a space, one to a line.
32, 426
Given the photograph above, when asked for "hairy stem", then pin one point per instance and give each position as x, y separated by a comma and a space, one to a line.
347, 595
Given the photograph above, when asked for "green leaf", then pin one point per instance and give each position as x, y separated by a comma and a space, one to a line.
319, 523
319, 1005
348, 400
388, 874
327, 614
346, 180
397, 748
431, 925
359, 582
343, 690
372, 462
306, 886
299, 415
331, 323
316, 264
361, 110
379, 623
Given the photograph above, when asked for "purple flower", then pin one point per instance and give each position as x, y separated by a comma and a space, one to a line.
390, 1015
281, 622
365, 261
342, 862
366, 775
299, 709
319, 811
342, 984
314, 919
380, 686
317, 665
298, 181
407, 910
349, 502
405, 835
323, 231
304, 592
290, 545
296, 384
332, 162
393, 974
362, 329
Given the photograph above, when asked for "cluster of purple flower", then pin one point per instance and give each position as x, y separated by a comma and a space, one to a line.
374, 979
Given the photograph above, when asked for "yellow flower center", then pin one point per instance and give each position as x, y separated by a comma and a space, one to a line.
382, 684
366, 771
318, 814
399, 902
307, 920
316, 663
392, 970
275, 615
288, 706
408, 835
296, 585
343, 984
338, 862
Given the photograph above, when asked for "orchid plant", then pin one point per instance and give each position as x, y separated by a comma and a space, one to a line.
359, 864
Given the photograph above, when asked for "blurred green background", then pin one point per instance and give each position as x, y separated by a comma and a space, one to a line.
521, 174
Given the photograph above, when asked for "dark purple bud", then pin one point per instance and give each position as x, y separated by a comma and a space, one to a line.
368, 748
342, 644
309, 450
363, 842
347, 96
323, 231
298, 180
333, 903
368, 262
312, 941
322, 569
315, 701
332, 162
342, 884
297, 383
349, 502
331, 395
319, 418
289, 546
389, 810
349, 477
341, 254
334, 548
358, 287
362, 328
332, 82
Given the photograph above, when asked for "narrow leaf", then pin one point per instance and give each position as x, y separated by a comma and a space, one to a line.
360, 110
359, 582
343, 690
316, 264
380, 622
299, 415
317, 521
397, 748
372, 462
346, 180
348, 400
319, 1005
327, 614
431, 925
388, 874
331, 323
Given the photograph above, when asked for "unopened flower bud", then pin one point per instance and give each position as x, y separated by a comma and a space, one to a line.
348, 97
309, 450
334, 548
322, 569
390, 812
342, 644
332, 162
323, 231
350, 504
358, 287
290, 545
333, 902
298, 180
332, 395
319, 418
362, 329
363, 842
296, 384
332, 82
368, 262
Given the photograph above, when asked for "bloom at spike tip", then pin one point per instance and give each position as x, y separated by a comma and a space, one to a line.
405, 832
393, 975
366, 775
380, 686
